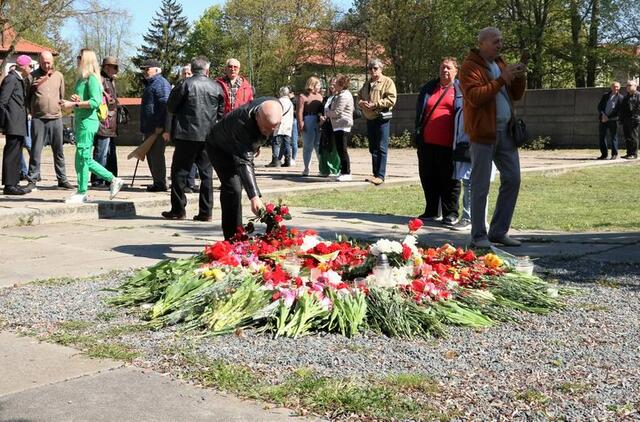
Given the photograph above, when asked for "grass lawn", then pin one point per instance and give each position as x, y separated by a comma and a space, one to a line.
602, 198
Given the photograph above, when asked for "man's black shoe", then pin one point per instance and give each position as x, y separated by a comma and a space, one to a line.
171, 216
630, 156
200, 217
31, 186
154, 188
602, 157
614, 157
15, 190
274, 163
65, 185
188, 189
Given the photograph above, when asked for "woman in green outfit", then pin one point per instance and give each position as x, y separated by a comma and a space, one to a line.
85, 103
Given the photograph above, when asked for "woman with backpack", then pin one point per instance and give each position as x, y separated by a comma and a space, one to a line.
86, 104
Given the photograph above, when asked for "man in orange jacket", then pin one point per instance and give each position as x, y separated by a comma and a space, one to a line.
489, 87
237, 89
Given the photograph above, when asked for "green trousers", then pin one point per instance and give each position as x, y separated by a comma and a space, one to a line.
86, 130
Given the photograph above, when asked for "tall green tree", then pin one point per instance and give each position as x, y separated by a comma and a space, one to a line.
165, 39
209, 38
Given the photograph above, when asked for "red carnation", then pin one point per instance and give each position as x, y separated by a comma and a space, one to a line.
277, 219
415, 224
269, 208
406, 252
284, 210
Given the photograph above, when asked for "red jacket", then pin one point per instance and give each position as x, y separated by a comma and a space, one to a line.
479, 91
243, 95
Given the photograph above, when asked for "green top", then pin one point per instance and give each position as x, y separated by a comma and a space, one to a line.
88, 89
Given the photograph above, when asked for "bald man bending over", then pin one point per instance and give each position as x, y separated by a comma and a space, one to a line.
231, 146
43, 97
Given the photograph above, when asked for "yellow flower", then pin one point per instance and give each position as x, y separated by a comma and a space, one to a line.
492, 260
216, 273
417, 261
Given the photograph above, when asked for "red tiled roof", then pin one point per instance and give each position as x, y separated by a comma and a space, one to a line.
23, 46
324, 47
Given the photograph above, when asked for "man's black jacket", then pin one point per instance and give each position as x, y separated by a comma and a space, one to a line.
196, 104
13, 108
238, 135
602, 106
630, 108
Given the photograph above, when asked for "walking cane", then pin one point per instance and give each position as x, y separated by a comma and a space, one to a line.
134, 172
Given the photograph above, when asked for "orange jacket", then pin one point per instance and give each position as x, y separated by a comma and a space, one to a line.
479, 91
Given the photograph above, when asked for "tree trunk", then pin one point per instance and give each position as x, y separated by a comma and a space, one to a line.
592, 44
576, 50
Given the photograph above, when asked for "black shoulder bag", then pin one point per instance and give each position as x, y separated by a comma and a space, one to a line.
517, 127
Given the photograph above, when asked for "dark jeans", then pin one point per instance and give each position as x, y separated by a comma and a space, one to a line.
24, 167
342, 139
230, 190
630, 130
435, 166
46, 131
191, 180
378, 135
185, 154
112, 158
278, 143
101, 147
11, 160
610, 128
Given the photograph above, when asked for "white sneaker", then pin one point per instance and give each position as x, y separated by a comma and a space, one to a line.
344, 178
305, 172
116, 185
292, 163
76, 198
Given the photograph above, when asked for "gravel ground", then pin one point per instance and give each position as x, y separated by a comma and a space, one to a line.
578, 364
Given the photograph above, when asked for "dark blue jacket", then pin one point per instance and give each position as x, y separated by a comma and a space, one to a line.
602, 106
13, 108
421, 105
153, 111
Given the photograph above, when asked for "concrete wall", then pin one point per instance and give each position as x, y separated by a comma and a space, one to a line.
567, 116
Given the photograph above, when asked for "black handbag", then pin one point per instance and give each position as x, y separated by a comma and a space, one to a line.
123, 115
519, 132
462, 153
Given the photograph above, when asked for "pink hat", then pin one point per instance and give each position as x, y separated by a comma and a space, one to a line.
23, 60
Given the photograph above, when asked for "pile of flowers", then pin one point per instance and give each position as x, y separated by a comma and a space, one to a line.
291, 282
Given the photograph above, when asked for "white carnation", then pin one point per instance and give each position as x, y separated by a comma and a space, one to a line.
386, 246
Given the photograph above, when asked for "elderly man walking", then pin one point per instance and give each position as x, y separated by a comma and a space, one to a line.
630, 116
231, 146
44, 96
195, 105
237, 89
489, 87
153, 115
609, 110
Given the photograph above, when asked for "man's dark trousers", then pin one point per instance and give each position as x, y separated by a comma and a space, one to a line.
631, 135
184, 155
42, 129
156, 162
230, 190
610, 127
11, 160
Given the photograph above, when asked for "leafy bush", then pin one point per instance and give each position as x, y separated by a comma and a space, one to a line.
402, 141
538, 143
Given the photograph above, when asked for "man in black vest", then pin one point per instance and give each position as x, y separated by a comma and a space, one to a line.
195, 105
232, 145
630, 117
609, 109
13, 122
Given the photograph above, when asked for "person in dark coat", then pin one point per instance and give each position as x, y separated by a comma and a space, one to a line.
13, 123
105, 142
608, 110
630, 117
232, 145
195, 105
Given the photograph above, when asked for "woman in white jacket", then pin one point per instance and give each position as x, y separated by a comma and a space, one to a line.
282, 135
340, 113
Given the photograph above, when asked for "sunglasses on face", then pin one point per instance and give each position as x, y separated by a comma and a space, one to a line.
374, 68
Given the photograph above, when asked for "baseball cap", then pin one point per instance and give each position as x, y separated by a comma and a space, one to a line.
150, 63
23, 60
110, 60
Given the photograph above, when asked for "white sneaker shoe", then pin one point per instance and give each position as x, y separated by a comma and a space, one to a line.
76, 198
344, 178
116, 185
292, 163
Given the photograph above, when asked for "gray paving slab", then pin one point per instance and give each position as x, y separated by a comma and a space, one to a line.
129, 394
26, 363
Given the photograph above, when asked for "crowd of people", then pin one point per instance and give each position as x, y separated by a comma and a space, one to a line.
464, 132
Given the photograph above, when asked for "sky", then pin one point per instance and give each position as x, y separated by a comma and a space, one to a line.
143, 10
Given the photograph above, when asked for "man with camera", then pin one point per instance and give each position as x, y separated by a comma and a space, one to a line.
489, 87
